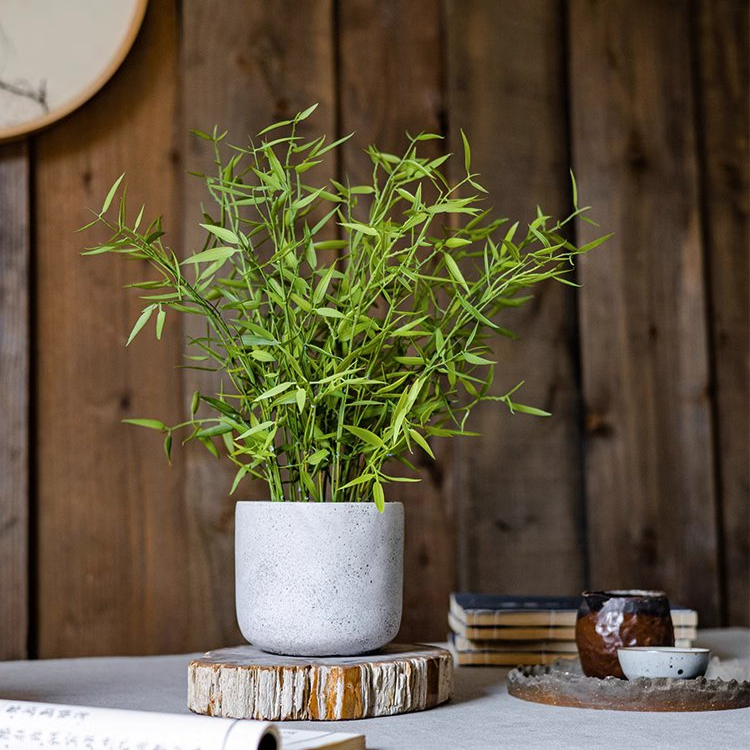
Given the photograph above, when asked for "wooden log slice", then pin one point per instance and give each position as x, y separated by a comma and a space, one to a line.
246, 683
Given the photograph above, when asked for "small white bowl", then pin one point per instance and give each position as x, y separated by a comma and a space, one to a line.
663, 661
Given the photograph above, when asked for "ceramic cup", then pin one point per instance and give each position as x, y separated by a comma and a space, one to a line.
663, 661
609, 620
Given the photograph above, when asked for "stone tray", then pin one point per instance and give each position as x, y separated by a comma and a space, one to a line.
247, 683
565, 685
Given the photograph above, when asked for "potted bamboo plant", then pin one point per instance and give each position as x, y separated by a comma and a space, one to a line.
348, 325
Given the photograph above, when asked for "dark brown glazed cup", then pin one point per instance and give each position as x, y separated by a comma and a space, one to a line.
608, 620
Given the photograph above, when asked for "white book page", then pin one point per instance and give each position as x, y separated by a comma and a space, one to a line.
304, 739
33, 726
25, 725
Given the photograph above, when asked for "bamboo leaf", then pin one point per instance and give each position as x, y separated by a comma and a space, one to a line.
211, 255
261, 427
142, 320
111, 194
161, 316
238, 477
329, 312
361, 479
421, 442
475, 359
275, 391
467, 152
365, 435
357, 227
301, 398
219, 429
455, 271
152, 424
378, 495
225, 235
260, 355
317, 457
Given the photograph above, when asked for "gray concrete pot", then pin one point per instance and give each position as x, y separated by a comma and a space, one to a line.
319, 579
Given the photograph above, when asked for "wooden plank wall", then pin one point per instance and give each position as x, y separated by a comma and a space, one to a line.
641, 475
15, 259
650, 466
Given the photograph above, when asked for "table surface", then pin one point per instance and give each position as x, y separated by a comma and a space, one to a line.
480, 715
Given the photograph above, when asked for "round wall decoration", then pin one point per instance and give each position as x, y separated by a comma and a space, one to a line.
55, 55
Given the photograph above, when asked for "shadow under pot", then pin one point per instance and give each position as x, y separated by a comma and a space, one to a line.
608, 620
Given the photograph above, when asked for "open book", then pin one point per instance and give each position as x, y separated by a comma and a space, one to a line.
33, 726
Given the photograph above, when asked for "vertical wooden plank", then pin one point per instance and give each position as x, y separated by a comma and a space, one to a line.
245, 64
519, 483
112, 534
649, 470
14, 399
397, 47
724, 81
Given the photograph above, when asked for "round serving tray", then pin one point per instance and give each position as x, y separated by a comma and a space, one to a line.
563, 684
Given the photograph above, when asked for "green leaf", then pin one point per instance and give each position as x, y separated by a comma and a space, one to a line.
238, 477
275, 391
308, 483
152, 424
168, 446
594, 243
301, 397
219, 429
474, 359
161, 316
378, 495
457, 242
304, 115
575, 189
111, 194
142, 320
329, 312
421, 442
331, 245
262, 427
261, 355
365, 435
317, 457
225, 235
195, 402
455, 271
361, 479
467, 152
210, 255
210, 447
357, 227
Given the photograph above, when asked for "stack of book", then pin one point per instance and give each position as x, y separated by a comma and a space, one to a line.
512, 630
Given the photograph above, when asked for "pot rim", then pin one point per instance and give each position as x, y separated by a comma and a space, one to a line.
316, 504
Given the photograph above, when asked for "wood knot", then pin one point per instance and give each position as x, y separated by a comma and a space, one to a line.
598, 424
635, 153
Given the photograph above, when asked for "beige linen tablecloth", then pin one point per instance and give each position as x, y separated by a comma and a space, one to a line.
481, 714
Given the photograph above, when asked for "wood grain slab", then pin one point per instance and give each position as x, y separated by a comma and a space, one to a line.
244, 682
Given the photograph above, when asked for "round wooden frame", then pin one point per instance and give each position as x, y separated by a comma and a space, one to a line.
14, 132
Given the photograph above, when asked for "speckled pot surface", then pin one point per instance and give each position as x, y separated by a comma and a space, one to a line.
319, 579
